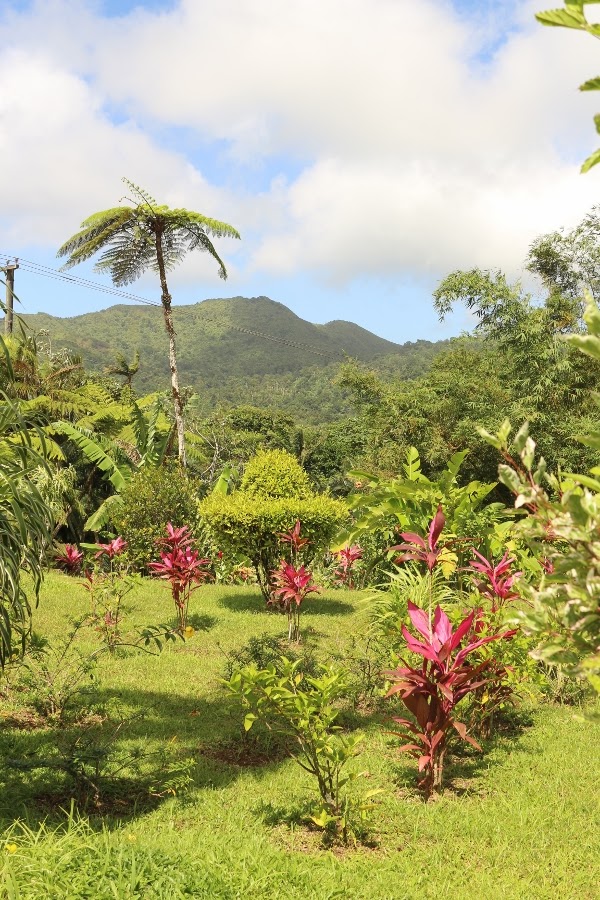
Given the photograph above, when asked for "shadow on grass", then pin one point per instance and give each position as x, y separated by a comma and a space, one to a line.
273, 815
314, 606
244, 603
202, 622
161, 733
323, 606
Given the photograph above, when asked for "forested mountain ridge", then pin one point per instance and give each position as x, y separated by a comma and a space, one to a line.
221, 341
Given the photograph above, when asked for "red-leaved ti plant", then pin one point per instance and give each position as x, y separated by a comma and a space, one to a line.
183, 568
346, 559
176, 537
432, 690
112, 549
291, 587
293, 538
70, 559
497, 584
417, 548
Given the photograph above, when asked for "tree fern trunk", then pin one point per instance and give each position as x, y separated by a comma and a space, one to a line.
168, 316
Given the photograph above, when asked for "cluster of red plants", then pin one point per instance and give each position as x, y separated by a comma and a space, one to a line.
181, 565
431, 690
70, 559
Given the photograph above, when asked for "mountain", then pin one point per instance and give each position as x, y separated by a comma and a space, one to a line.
221, 342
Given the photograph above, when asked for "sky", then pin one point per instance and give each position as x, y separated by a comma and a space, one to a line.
364, 149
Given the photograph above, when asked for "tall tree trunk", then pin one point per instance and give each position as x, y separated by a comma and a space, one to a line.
168, 315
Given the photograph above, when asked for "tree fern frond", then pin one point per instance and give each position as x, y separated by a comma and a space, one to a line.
185, 218
198, 240
141, 193
95, 233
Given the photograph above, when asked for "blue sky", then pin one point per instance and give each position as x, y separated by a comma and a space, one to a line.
363, 148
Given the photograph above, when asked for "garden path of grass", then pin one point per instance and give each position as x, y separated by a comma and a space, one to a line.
522, 821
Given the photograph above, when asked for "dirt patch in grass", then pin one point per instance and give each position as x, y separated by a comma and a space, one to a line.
244, 756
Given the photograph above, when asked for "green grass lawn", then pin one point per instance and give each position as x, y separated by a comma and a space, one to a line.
520, 821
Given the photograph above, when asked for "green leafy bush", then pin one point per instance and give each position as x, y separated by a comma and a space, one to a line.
303, 709
273, 474
152, 498
266, 649
245, 524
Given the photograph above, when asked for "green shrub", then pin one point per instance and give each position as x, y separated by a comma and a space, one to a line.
304, 709
266, 649
243, 524
153, 497
273, 474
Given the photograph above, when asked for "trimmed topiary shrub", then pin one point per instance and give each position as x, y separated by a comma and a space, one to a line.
273, 474
242, 524
153, 497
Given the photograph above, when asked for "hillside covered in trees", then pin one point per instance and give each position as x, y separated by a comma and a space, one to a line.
236, 350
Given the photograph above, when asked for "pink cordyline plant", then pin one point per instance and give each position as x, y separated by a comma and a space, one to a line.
112, 549
293, 538
292, 586
176, 537
497, 584
432, 690
70, 559
182, 567
346, 559
420, 550
429, 551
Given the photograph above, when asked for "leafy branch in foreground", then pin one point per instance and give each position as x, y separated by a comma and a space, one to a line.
573, 16
563, 531
25, 523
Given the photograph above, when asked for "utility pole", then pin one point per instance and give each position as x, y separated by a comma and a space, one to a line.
9, 271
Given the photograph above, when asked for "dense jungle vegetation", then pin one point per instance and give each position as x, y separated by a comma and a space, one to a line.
353, 607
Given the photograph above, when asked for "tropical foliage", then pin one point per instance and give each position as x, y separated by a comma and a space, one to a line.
144, 235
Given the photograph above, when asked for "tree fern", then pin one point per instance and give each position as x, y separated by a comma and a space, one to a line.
145, 235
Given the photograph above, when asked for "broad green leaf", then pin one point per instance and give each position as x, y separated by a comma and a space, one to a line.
563, 18
585, 480
590, 162
592, 84
509, 478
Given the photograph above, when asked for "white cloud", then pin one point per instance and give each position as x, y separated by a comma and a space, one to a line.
419, 157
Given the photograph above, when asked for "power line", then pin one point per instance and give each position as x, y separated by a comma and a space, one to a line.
35, 268
271, 337
38, 269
